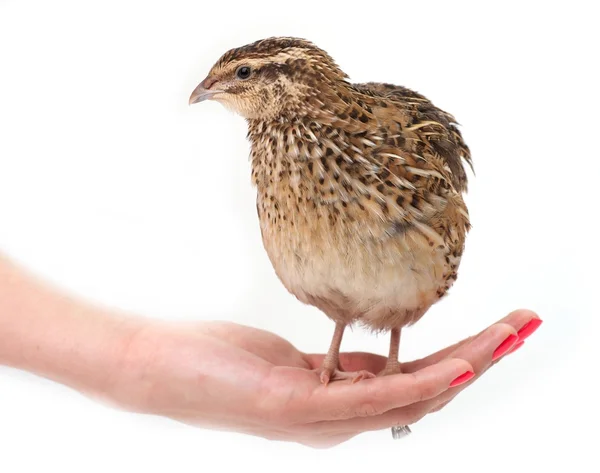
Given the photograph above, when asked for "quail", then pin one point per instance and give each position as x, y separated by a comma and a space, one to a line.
359, 187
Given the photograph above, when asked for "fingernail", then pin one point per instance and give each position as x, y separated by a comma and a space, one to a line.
506, 345
529, 328
463, 378
516, 347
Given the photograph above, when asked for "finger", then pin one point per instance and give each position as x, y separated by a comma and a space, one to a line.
416, 365
478, 353
494, 335
444, 402
352, 361
524, 331
517, 319
372, 397
323, 442
523, 324
302, 436
494, 341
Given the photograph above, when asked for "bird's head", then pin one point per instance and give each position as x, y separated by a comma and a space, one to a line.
270, 78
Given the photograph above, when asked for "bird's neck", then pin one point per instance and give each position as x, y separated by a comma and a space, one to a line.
319, 113
323, 129
284, 146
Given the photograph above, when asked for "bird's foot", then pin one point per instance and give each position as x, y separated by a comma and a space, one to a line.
333, 374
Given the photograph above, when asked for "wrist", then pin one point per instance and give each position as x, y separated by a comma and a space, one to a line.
160, 360
58, 337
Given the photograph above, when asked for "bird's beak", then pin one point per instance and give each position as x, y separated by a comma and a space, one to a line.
205, 90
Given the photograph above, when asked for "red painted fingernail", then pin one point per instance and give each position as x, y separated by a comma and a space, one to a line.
529, 328
463, 378
506, 345
516, 347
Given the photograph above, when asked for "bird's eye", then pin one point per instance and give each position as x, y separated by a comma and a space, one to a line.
243, 72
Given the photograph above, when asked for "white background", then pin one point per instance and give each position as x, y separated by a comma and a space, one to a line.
111, 186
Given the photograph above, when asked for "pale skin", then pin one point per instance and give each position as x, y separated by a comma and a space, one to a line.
222, 375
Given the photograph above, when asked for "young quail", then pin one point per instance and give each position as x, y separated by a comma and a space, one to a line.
359, 187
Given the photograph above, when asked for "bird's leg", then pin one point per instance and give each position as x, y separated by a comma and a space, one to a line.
331, 360
393, 365
329, 369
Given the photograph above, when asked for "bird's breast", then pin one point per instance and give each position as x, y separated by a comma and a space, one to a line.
325, 251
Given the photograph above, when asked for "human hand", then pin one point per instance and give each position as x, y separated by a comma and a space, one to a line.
232, 377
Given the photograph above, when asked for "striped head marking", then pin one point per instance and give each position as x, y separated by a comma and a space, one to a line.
269, 78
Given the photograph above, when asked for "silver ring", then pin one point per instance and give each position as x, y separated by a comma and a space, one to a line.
400, 431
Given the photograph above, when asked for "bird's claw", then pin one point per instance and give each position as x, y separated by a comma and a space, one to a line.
327, 374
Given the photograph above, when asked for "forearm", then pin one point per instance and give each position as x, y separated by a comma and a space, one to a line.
57, 337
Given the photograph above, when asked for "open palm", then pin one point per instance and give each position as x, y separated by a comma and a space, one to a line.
228, 376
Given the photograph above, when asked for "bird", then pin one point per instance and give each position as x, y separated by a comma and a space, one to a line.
359, 188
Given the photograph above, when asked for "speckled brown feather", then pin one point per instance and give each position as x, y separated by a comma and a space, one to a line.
359, 185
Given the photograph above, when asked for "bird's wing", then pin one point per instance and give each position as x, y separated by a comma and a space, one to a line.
403, 162
430, 129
